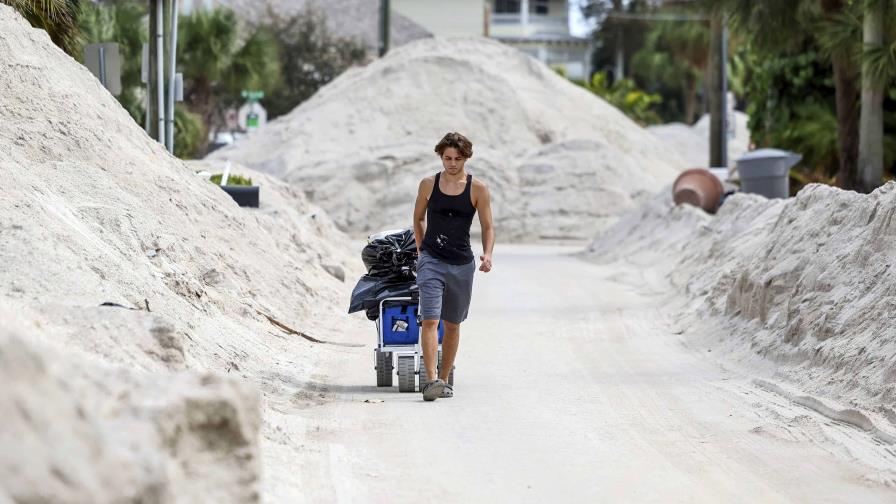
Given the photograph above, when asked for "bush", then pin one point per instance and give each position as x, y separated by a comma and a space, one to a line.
637, 104
232, 180
189, 133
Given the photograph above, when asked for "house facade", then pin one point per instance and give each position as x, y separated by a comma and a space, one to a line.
539, 28
446, 19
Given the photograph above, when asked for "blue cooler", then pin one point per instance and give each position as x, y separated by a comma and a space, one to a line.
400, 327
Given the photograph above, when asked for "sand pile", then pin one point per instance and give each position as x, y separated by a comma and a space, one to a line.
360, 146
806, 283
96, 212
692, 142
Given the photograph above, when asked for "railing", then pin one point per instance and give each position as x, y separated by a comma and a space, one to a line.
534, 19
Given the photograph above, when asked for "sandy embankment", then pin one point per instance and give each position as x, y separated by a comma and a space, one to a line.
560, 162
800, 290
162, 392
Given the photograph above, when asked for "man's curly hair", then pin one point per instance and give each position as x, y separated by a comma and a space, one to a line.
463, 145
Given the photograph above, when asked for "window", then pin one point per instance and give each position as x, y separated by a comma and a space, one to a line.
539, 6
507, 6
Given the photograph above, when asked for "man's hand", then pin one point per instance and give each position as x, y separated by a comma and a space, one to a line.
485, 263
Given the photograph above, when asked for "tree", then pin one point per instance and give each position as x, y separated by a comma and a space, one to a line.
218, 62
619, 34
310, 57
871, 121
836, 36
676, 54
57, 17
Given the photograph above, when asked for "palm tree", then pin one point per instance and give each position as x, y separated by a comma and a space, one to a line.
836, 36
218, 62
57, 17
676, 53
871, 121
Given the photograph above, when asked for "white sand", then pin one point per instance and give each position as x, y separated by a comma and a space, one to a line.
692, 142
360, 146
94, 211
804, 286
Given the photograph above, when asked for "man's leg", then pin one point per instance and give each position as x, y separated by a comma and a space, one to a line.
431, 347
449, 348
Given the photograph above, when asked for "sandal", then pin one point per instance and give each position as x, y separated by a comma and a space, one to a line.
433, 390
448, 391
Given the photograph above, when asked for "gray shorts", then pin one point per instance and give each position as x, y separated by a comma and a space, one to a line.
445, 289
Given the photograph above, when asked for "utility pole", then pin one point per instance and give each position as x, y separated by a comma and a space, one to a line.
172, 75
160, 67
151, 68
718, 91
385, 13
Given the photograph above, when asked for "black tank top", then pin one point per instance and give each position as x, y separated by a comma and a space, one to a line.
448, 221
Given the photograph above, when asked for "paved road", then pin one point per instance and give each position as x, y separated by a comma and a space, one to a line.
572, 386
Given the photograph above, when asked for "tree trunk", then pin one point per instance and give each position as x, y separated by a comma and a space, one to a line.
718, 132
690, 100
871, 121
847, 92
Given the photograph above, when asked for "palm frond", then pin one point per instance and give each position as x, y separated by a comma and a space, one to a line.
879, 63
840, 36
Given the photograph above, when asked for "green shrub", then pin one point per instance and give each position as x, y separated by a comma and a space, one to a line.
232, 180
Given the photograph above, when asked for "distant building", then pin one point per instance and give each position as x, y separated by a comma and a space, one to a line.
446, 19
539, 28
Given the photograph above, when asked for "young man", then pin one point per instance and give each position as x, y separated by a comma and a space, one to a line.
443, 214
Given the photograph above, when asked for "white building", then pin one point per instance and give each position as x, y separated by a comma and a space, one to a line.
446, 19
537, 27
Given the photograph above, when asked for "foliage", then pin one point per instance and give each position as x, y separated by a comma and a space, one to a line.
791, 105
614, 31
310, 57
232, 180
189, 133
120, 21
673, 62
218, 62
57, 17
624, 95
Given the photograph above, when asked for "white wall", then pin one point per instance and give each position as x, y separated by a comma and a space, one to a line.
443, 18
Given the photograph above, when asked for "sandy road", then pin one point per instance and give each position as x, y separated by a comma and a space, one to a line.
571, 387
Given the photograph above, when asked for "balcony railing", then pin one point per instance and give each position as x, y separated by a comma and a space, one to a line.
534, 19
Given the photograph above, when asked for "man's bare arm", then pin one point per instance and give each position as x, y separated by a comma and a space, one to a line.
484, 208
423, 193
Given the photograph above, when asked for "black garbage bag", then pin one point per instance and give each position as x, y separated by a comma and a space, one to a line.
391, 255
369, 291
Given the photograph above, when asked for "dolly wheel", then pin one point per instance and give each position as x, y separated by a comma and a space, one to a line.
407, 377
383, 368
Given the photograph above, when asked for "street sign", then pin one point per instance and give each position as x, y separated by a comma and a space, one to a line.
252, 95
104, 62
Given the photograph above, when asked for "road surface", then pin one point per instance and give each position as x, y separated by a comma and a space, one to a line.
572, 386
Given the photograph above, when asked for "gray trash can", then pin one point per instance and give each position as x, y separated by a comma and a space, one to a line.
766, 172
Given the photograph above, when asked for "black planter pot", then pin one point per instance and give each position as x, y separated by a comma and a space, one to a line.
245, 196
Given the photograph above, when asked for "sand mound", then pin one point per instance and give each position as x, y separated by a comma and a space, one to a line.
79, 431
692, 142
806, 283
360, 146
96, 212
